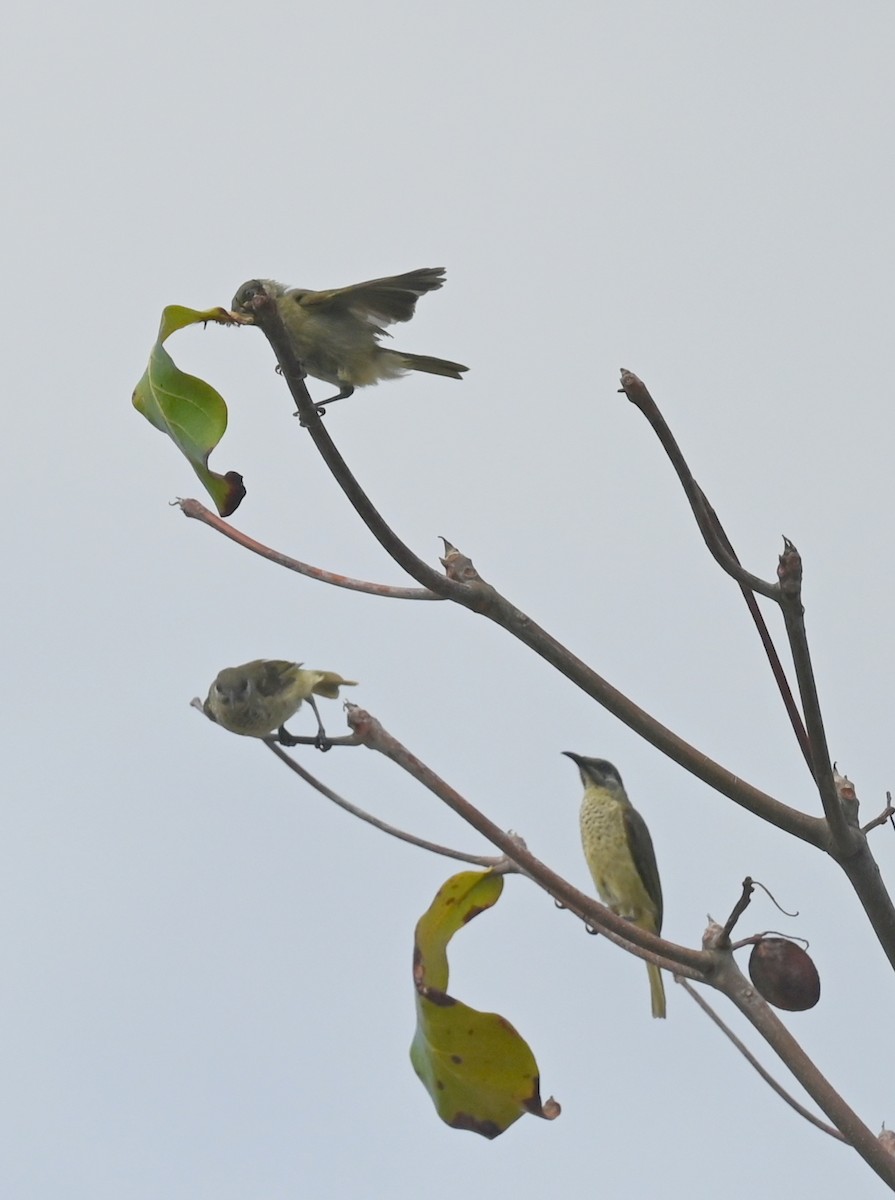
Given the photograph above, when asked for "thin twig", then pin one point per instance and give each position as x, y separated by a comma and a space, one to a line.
736, 912
753, 1061
269, 321
720, 546
730, 980
195, 510
886, 815
637, 393
789, 572
764, 634
478, 860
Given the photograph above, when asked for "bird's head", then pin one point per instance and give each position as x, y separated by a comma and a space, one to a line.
232, 686
596, 771
246, 296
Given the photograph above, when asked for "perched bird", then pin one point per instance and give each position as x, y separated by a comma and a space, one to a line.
336, 334
259, 697
619, 852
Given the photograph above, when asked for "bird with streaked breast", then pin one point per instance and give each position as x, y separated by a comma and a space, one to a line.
620, 855
335, 334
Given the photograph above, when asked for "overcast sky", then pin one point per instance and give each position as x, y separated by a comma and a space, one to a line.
207, 988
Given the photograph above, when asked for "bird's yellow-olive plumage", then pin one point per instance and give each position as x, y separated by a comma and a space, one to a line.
335, 334
620, 855
258, 697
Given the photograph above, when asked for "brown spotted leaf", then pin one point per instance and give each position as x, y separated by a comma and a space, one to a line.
188, 409
480, 1073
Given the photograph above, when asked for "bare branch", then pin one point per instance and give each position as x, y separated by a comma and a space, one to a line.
841, 836
737, 911
482, 598
720, 547
708, 523
730, 980
789, 701
753, 1061
789, 572
475, 594
486, 600
499, 863
749, 885
886, 815
694, 963
270, 323
198, 512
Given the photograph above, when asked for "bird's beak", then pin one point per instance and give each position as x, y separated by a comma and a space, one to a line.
576, 758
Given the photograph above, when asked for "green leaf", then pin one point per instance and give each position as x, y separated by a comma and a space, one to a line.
480, 1073
188, 409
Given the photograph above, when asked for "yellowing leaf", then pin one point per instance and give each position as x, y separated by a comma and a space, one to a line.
480, 1073
188, 409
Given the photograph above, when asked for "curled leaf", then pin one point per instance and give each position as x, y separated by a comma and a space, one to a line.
188, 409
480, 1073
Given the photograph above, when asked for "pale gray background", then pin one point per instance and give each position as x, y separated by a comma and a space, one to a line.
206, 988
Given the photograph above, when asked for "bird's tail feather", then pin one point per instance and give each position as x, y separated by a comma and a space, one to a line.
328, 684
432, 366
656, 990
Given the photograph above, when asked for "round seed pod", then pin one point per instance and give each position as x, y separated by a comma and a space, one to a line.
784, 974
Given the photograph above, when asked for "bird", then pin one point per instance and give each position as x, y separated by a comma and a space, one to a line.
335, 334
620, 855
258, 697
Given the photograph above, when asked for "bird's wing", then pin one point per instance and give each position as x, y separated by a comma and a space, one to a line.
274, 673
382, 301
644, 859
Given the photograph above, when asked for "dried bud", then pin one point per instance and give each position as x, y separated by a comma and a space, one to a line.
784, 974
848, 798
458, 566
789, 569
887, 1139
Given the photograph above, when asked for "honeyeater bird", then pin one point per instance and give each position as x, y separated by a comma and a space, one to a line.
619, 852
335, 334
259, 697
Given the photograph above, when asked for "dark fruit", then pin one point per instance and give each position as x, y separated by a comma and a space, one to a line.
784, 974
